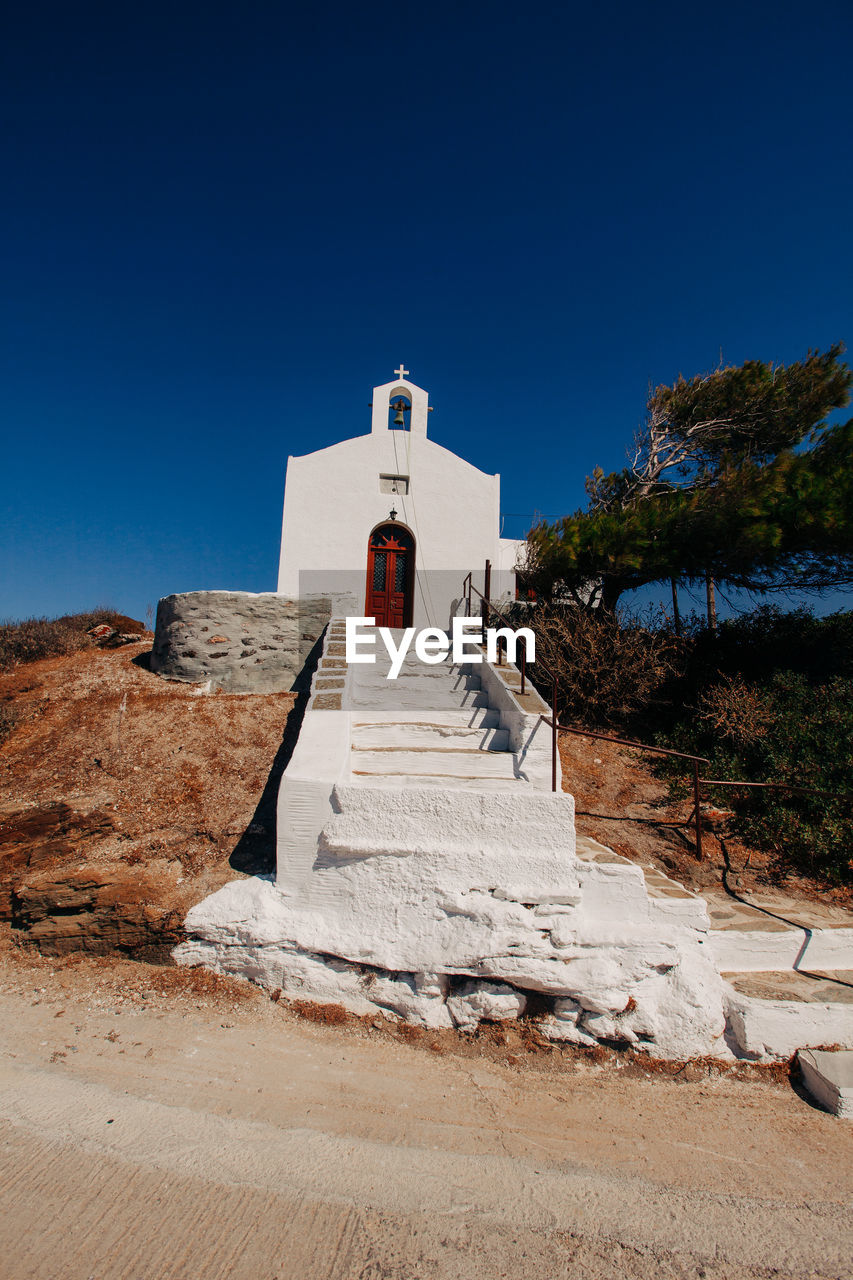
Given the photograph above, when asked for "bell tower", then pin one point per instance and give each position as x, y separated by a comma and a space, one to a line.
410, 405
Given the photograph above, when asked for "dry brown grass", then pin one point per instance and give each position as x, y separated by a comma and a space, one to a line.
329, 1015
198, 981
35, 638
175, 779
8, 720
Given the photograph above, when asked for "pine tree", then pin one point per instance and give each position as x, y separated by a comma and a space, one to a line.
736, 476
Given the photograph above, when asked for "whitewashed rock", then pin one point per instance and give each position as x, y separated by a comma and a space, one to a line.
604, 1026
565, 1032
251, 927
404, 995
675, 1009
562, 1024
477, 1002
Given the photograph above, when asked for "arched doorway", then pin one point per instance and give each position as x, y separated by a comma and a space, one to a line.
390, 576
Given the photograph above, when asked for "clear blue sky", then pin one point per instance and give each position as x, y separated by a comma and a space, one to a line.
222, 224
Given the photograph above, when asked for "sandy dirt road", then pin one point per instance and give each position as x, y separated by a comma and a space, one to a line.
156, 1133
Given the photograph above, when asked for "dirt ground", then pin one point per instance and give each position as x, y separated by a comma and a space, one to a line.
125, 798
178, 773
162, 1123
159, 1124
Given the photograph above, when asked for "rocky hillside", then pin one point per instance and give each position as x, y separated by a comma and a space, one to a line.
124, 798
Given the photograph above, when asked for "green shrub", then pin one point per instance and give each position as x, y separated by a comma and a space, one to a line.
767, 640
808, 743
785, 730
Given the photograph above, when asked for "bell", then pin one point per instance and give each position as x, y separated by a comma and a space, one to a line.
399, 417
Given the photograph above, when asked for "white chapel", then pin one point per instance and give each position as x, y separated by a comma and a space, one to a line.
392, 519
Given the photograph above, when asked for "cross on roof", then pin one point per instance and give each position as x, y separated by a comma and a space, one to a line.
401, 372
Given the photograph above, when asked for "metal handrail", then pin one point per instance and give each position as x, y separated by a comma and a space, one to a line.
779, 786
487, 606
696, 816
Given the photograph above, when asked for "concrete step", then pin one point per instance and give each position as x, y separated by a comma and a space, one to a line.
394, 735
827, 986
828, 1076
378, 673
767, 944
417, 687
438, 782
589, 850
415, 697
773, 1014
477, 717
771, 929
438, 819
668, 899
431, 762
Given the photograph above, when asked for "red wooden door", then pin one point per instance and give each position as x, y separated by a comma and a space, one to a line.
390, 576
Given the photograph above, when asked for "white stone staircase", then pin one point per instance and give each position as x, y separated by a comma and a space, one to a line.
426, 866
431, 727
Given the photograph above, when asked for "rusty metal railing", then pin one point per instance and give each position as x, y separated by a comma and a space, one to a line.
487, 607
695, 817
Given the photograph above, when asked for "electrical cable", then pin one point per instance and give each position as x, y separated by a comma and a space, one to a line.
426, 598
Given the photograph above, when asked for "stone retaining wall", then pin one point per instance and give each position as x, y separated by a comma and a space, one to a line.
239, 641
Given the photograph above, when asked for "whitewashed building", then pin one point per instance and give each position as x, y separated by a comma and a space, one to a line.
384, 525
392, 519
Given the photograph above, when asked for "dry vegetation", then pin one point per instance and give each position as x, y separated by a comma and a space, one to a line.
604, 670
765, 699
114, 778
37, 638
